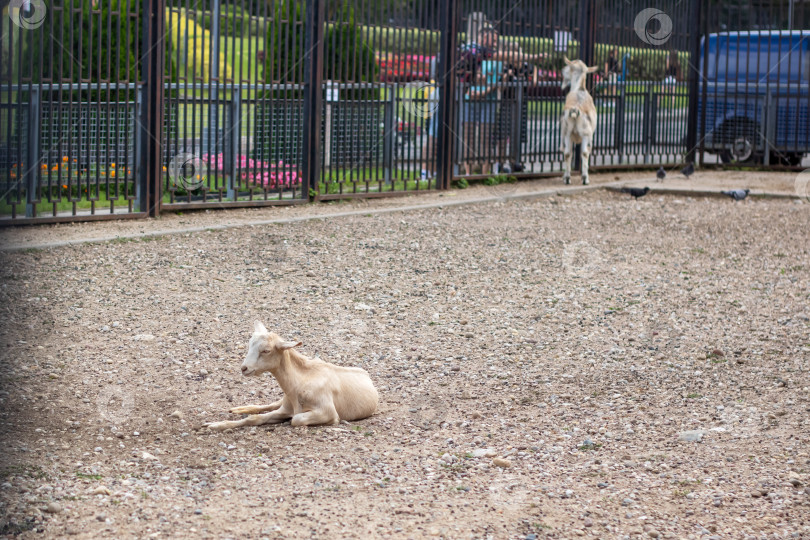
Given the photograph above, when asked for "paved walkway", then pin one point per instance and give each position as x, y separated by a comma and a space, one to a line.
768, 184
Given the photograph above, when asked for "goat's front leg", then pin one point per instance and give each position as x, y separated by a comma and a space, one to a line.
256, 409
325, 414
284, 412
275, 417
567, 149
586, 155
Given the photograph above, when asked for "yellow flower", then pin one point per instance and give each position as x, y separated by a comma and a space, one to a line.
64, 158
112, 165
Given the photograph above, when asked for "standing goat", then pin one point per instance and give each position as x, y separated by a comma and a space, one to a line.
578, 120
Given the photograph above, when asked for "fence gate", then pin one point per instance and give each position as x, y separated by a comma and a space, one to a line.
379, 105
71, 131
233, 94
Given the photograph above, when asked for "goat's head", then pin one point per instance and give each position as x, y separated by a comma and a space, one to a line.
574, 74
265, 351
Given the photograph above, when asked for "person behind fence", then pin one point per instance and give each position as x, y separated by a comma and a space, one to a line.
516, 71
482, 99
479, 108
612, 70
431, 94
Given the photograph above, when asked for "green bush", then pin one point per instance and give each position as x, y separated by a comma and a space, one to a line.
191, 48
345, 50
103, 46
284, 43
346, 54
402, 40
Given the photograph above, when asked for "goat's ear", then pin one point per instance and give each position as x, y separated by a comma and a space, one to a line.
567, 61
593, 69
284, 345
259, 328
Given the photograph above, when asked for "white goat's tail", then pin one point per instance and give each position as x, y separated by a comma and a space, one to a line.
574, 112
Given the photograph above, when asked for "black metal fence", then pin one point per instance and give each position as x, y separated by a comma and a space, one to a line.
107, 112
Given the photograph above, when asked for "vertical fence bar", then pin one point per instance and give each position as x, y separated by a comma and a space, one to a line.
32, 163
389, 134
586, 40
649, 123
448, 18
151, 129
313, 90
234, 131
694, 81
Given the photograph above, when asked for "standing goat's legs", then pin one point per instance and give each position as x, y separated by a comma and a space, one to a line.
586, 154
568, 150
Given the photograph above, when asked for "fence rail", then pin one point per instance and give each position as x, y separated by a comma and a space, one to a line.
133, 107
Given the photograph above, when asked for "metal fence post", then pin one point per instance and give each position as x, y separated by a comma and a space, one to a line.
647, 123
619, 128
214, 100
694, 82
389, 135
446, 78
140, 181
768, 126
517, 126
32, 170
151, 125
234, 131
586, 35
587, 27
313, 93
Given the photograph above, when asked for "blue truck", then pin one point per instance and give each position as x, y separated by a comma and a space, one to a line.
754, 98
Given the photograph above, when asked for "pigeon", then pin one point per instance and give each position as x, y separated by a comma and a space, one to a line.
688, 170
737, 194
636, 192
661, 174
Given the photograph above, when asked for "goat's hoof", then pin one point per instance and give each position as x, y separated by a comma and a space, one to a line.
566, 180
585, 182
215, 426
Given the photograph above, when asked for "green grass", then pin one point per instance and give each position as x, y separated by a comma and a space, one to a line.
357, 180
405, 181
102, 203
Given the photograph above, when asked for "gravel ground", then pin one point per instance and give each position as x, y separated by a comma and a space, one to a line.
569, 366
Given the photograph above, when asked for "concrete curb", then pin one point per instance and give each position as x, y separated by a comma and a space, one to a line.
563, 190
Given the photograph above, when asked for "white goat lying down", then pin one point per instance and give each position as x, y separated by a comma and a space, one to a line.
315, 392
578, 120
